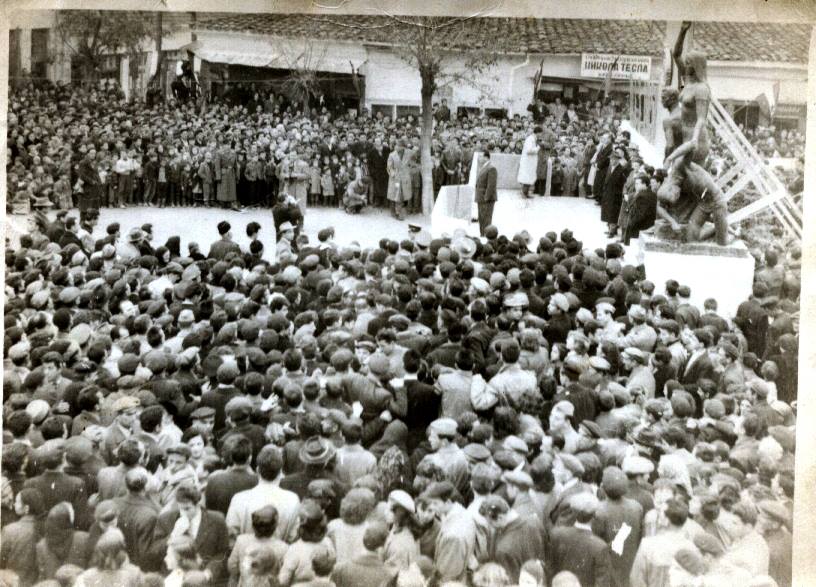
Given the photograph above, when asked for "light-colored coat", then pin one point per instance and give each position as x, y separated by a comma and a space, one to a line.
529, 161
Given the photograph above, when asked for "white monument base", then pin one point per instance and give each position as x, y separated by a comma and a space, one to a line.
711, 271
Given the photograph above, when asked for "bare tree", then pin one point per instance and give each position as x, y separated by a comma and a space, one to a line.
437, 47
90, 35
303, 60
443, 51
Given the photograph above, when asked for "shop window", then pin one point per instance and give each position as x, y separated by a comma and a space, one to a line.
468, 112
384, 109
404, 111
496, 113
39, 53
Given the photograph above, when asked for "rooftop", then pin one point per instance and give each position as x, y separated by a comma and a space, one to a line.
512, 35
723, 41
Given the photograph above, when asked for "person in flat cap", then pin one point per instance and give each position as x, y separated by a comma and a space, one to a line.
637, 470
772, 524
576, 549
613, 512
456, 539
446, 454
516, 538
224, 245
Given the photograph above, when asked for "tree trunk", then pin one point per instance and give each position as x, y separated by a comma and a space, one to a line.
159, 57
426, 135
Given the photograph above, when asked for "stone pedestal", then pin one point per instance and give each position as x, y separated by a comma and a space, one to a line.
711, 271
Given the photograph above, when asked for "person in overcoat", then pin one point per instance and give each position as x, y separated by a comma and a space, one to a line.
377, 168
225, 164
615, 512
642, 210
88, 172
612, 193
486, 191
601, 163
206, 528
395, 182
578, 550
205, 174
528, 164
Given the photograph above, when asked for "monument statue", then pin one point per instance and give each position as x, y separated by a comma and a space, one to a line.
689, 195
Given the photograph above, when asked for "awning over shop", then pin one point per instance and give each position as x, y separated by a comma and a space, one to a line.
742, 89
793, 92
235, 51
258, 52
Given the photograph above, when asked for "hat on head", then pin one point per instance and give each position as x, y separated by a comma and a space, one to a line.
493, 505
285, 227
584, 503
317, 451
565, 407
444, 427
636, 465
402, 499
572, 464
238, 408
37, 410
708, 544
477, 453
518, 478
775, 511
126, 403
202, 412
560, 301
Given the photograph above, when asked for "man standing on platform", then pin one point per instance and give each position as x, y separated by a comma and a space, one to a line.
486, 190
91, 182
529, 162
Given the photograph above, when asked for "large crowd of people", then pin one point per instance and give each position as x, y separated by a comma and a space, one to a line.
91, 148
427, 412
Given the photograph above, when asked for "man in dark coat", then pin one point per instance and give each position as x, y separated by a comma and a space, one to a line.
207, 529
752, 319
137, 515
377, 159
56, 486
223, 485
642, 210
367, 569
577, 550
223, 247
286, 210
615, 512
91, 182
601, 162
486, 191
18, 541
217, 398
612, 192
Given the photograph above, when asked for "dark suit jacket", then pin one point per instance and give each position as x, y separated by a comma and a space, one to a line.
612, 193
221, 248
18, 549
486, 184
222, 486
642, 213
366, 570
211, 541
55, 487
583, 554
137, 521
217, 399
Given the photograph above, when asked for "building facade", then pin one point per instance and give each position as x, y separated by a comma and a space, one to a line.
758, 71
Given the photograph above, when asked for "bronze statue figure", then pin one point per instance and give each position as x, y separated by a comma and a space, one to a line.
689, 194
